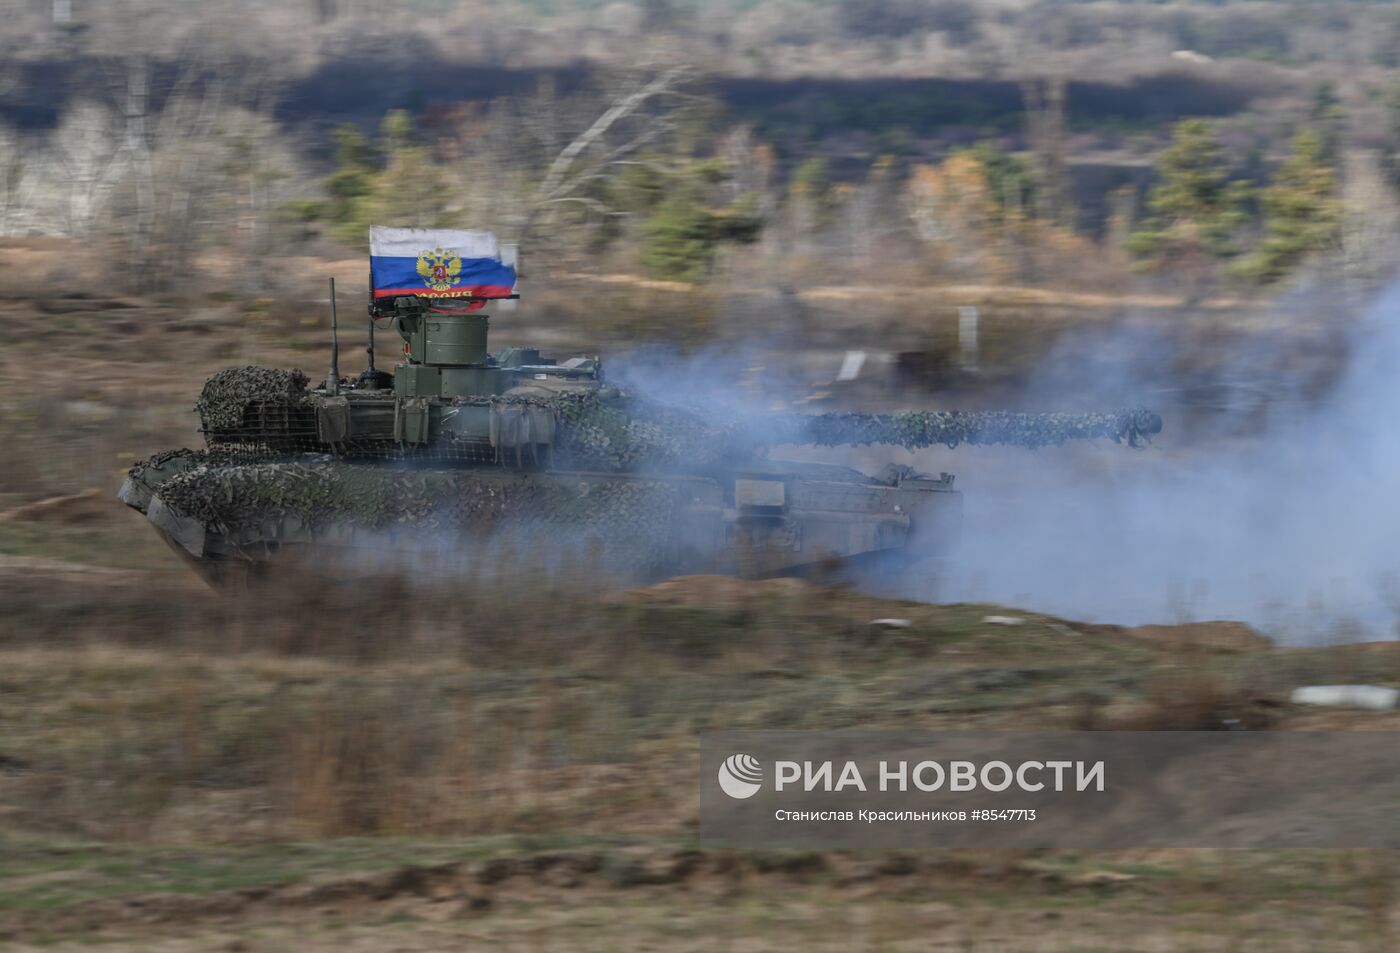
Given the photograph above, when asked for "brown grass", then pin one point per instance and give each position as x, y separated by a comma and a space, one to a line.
1185, 701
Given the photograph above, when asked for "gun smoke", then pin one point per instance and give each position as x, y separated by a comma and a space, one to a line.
1288, 525
1277, 510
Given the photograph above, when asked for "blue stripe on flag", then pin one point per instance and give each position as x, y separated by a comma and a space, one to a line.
401, 275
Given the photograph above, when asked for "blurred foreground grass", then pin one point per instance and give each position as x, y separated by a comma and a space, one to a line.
416, 763
633, 894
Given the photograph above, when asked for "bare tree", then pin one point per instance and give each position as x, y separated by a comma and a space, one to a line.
131, 90
1371, 222
16, 182
643, 110
149, 161
1046, 98
1042, 74
88, 164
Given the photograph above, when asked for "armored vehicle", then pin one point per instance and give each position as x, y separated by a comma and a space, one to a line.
462, 449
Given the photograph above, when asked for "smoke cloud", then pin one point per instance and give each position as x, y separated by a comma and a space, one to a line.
1279, 510
1269, 498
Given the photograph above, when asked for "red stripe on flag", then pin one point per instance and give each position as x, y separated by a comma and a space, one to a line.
479, 291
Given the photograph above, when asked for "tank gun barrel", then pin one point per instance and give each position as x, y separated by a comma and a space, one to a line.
916, 430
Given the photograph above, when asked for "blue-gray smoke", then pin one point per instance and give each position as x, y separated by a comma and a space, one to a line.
1289, 523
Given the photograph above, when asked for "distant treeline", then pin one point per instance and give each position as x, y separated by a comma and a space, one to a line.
795, 112
870, 141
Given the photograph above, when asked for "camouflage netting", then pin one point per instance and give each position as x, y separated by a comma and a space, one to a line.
625, 434
250, 499
144, 477
249, 504
226, 395
917, 430
159, 460
594, 434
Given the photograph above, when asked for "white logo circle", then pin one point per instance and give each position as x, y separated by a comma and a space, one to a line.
740, 776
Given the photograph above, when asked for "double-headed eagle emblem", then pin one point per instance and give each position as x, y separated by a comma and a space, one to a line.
439, 269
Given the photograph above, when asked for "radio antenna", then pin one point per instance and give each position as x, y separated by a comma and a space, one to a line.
369, 349
333, 382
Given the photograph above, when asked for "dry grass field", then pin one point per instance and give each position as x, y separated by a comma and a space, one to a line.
421, 767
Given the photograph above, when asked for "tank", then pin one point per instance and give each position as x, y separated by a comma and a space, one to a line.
463, 450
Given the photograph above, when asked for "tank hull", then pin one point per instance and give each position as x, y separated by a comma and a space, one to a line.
772, 518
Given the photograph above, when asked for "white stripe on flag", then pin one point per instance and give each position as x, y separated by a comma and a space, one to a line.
386, 242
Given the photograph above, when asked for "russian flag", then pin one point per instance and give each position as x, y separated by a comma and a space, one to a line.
437, 263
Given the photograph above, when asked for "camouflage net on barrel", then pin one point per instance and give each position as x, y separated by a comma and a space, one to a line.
594, 434
916, 430
249, 504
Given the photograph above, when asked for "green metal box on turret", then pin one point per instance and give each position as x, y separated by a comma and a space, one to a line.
460, 447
